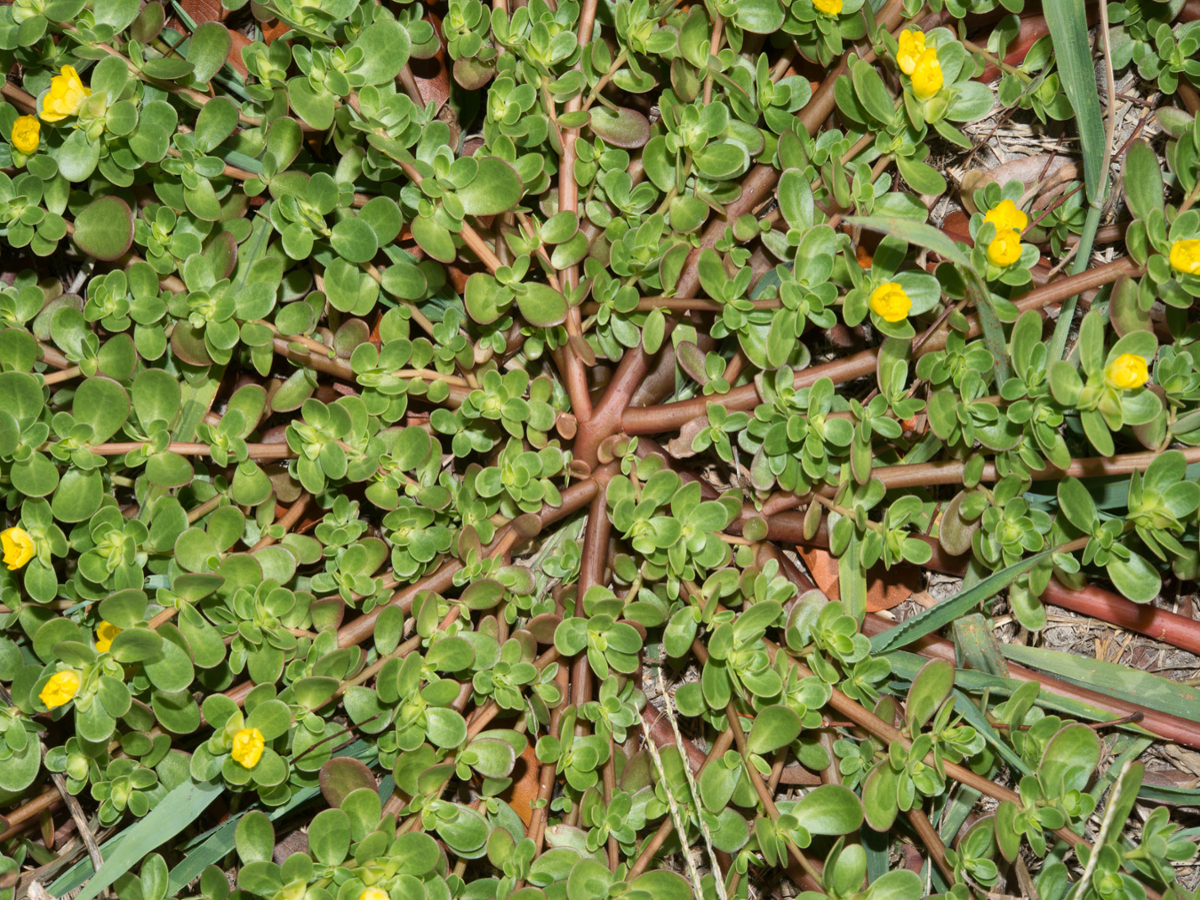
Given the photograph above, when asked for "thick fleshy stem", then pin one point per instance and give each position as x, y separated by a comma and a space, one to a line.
760, 180
672, 416
887, 732
1169, 727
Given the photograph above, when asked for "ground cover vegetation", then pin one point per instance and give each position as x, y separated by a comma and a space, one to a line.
410, 414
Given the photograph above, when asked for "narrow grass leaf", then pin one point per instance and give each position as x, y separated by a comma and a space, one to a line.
178, 810
1176, 796
1067, 21
970, 712
993, 330
1123, 682
943, 613
919, 233
976, 646
877, 847
905, 665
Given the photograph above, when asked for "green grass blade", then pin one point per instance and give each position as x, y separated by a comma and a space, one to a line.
976, 646
943, 613
1066, 315
973, 717
178, 810
993, 331
1067, 20
918, 233
905, 666
1122, 682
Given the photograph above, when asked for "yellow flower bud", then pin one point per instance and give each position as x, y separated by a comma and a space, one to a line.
912, 45
105, 633
1006, 217
248, 747
927, 75
26, 134
18, 547
67, 93
828, 7
373, 894
1185, 256
890, 302
60, 689
1005, 248
1127, 372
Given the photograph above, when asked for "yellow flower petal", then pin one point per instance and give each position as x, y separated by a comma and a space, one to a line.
927, 74
1127, 372
1006, 217
373, 894
18, 547
1185, 256
828, 7
105, 632
26, 134
890, 302
248, 747
67, 93
912, 45
1005, 248
60, 689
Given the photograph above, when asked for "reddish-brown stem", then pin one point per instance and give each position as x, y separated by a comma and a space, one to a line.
290, 518
591, 574
1173, 728
685, 304
574, 498
672, 416
187, 448
1152, 621
866, 719
951, 471
720, 745
610, 784
1189, 96
757, 184
933, 842
651, 847
27, 816
574, 376
62, 375
606, 417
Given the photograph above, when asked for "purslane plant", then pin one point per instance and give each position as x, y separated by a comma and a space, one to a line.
321, 387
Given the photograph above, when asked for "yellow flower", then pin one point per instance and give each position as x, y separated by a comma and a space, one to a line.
1005, 248
105, 634
60, 689
1127, 372
65, 96
1006, 217
927, 74
373, 894
248, 747
912, 45
1185, 256
890, 302
18, 547
829, 7
26, 134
